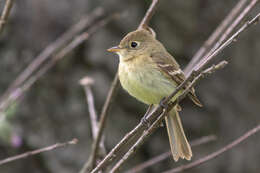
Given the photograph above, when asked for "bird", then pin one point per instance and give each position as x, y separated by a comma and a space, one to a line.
148, 72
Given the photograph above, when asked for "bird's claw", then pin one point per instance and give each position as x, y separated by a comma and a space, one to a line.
145, 121
163, 104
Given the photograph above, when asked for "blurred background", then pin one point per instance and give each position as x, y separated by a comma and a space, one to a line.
55, 109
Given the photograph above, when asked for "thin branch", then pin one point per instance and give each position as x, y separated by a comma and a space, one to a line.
113, 153
5, 14
50, 50
148, 15
91, 160
191, 77
87, 82
156, 123
228, 31
77, 41
115, 83
61, 54
38, 151
136, 131
216, 153
216, 34
165, 155
103, 116
90, 163
234, 37
138, 143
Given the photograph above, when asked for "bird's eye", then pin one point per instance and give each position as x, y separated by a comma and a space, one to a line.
134, 44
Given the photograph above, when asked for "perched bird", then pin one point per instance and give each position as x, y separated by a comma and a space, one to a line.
149, 73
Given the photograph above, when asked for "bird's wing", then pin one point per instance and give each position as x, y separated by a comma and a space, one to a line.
171, 69
168, 66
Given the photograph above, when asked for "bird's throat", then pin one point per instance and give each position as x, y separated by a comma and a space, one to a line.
124, 58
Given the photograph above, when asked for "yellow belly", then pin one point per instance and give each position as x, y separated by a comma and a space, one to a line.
145, 82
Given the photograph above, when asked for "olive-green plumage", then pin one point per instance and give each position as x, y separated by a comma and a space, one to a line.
149, 73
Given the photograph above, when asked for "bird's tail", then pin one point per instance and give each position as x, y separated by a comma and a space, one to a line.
180, 147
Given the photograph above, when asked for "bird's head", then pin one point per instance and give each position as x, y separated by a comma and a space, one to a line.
134, 44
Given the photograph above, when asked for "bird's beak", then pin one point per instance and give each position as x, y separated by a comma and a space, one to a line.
114, 49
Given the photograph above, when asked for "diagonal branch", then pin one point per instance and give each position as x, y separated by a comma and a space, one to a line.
216, 153
19, 91
224, 36
216, 34
149, 14
165, 155
50, 50
234, 37
115, 83
5, 14
157, 122
38, 151
195, 75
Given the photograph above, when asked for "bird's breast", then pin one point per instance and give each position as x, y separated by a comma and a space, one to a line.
144, 81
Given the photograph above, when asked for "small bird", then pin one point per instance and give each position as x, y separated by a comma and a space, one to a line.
149, 73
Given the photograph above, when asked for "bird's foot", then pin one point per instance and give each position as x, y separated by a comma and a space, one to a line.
145, 122
163, 104
144, 119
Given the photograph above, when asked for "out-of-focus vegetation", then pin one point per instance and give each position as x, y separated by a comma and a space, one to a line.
55, 109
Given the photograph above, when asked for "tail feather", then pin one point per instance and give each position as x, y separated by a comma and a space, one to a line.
180, 147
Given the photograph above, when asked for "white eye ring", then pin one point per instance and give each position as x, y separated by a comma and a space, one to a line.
134, 44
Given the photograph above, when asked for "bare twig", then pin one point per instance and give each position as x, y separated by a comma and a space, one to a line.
226, 33
208, 58
61, 54
156, 123
87, 82
196, 74
203, 62
5, 14
50, 50
143, 24
138, 143
216, 153
34, 152
165, 155
216, 34
137, 130
92, 159
103, 116
113, 153
148, 15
